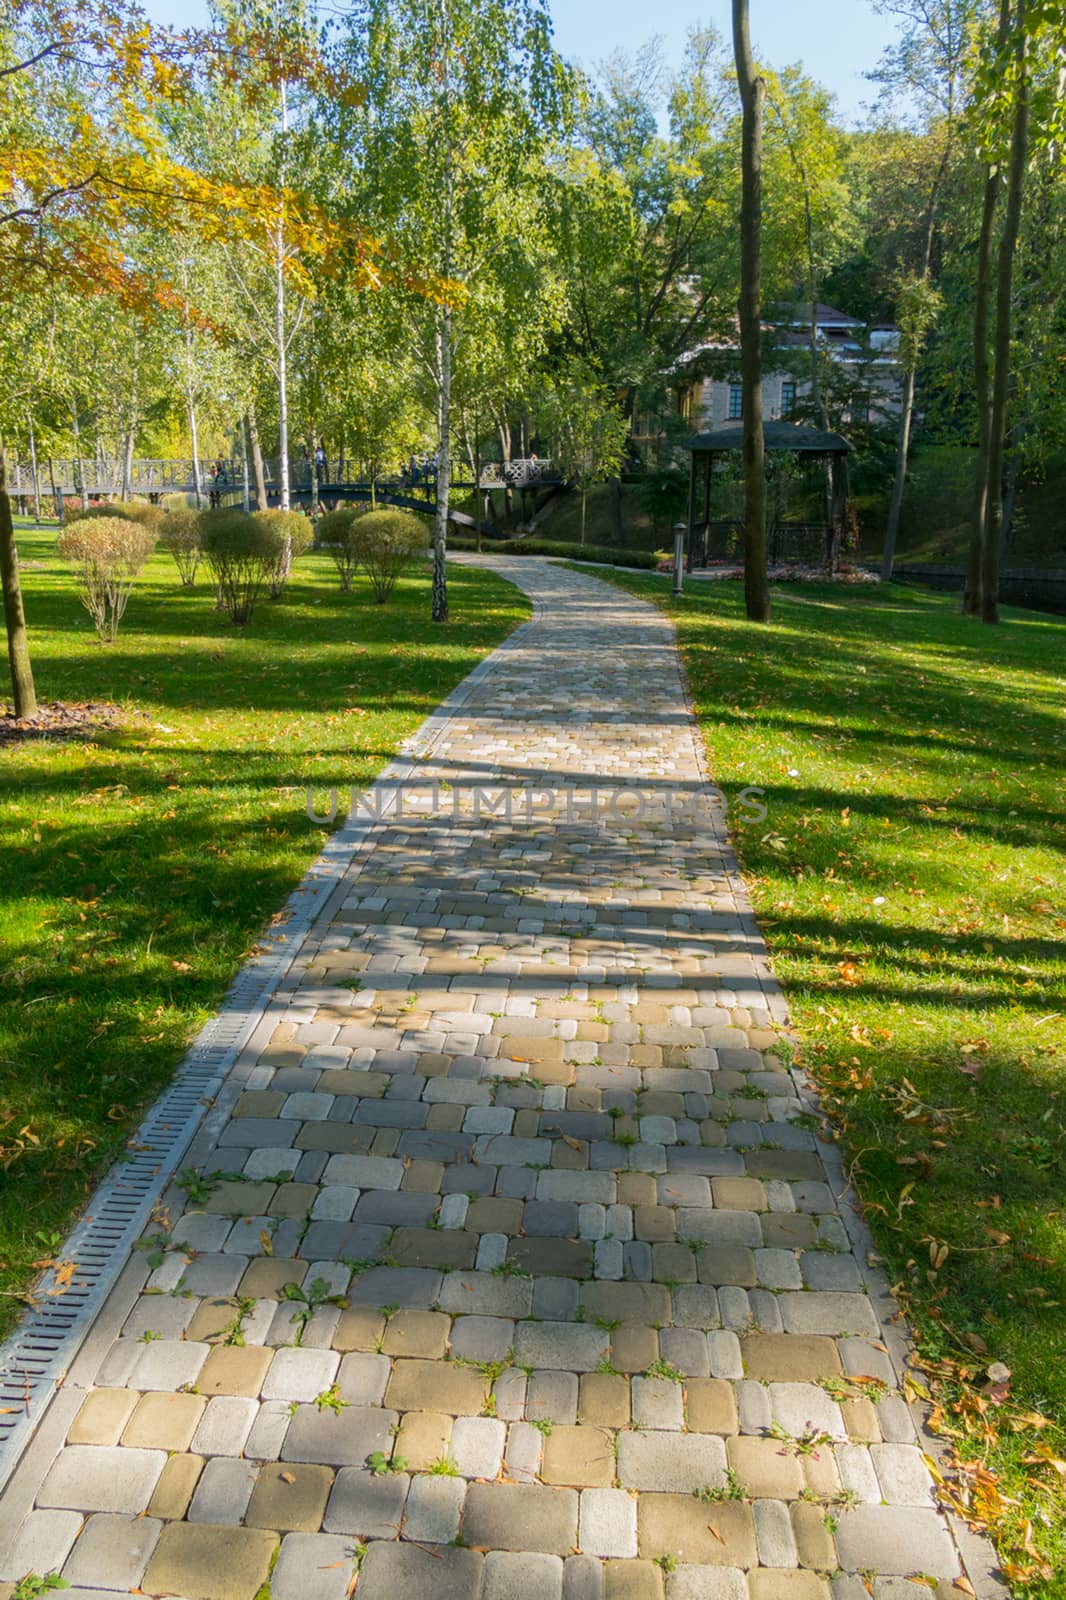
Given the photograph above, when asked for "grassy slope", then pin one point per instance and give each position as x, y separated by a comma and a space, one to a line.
909, 879
138, 870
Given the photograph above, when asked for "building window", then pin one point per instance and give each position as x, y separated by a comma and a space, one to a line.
736, 402
788, 398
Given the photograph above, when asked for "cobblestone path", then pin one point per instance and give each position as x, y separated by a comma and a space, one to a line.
513, 1270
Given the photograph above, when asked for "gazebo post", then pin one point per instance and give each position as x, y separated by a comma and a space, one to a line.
707, 462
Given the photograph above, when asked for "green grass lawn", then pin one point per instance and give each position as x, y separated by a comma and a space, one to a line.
909, 877
139, 868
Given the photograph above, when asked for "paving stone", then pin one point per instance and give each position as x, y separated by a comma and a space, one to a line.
720, 1535
210, 1563
671, 1462
790, 1357
485, 1295
509, 1393
411, 1288
174, 1489
424, 1438
857, 1472
565, 1258
42, 1543
360, 1328
223, 1491
814, 1543
552, 1397
521, 1517
828, 1313
510, 1576
229, 1369
903, 1475
633, 1580
581, 1188
773, 1534
103, 1415
767, 1468
482, 1338
164, 1421
685, 1349
338, 1441
224, 1426
434, 1509
364, 1171
290, 1498
723, 1352
100, 1478
579, 1455
552, 1219
477, 1446
647, 1304
436, 1386
583, 1578
571, 1347
313, 1567
710, 1406
634, 1349
523, 1452
365, 1504
389, 1570
299, 1374
696, 1306
658, 1403
608, 1523
168, 1364
707, 1583
556, 1299
603, 1400
805, 1408
787, 1586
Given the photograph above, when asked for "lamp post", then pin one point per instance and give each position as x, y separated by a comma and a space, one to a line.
679, 557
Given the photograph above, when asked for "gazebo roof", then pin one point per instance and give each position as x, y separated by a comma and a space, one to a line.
777, 436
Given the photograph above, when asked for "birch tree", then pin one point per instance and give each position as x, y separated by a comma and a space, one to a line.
461, 95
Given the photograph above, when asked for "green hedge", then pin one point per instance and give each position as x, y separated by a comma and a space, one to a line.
610, 555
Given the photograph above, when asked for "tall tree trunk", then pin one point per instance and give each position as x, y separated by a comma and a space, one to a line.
444, 336
971, 598
1008, 244
79, 458
261, 499
246, 495
906, 414
899, 482
440, 525
36, 475
18, 650
128, 448
752, 94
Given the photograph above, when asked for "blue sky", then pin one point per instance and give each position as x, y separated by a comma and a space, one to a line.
837, 40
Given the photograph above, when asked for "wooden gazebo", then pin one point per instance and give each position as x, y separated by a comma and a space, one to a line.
778, 436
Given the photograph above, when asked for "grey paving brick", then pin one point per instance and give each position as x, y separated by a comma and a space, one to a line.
344, 1440
100, 1478
434, 1509
521, 1517
511, 1576
313, 1566
42, 1543
572, 1347
366, 1504
583, 1578
671, 1463
608, 1523
389, 1570
552, 1397
896, 1540
224, 1428
113, 1552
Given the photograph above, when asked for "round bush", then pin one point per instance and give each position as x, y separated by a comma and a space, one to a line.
180, 534
242, 552
294, 534
139, 511
334, 534
109, 553
384, 543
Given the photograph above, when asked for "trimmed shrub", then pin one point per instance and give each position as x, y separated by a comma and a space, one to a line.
180, 533
242, 552
178, 502
294, 534
385, 542
109, 553
139, 511
333, 534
